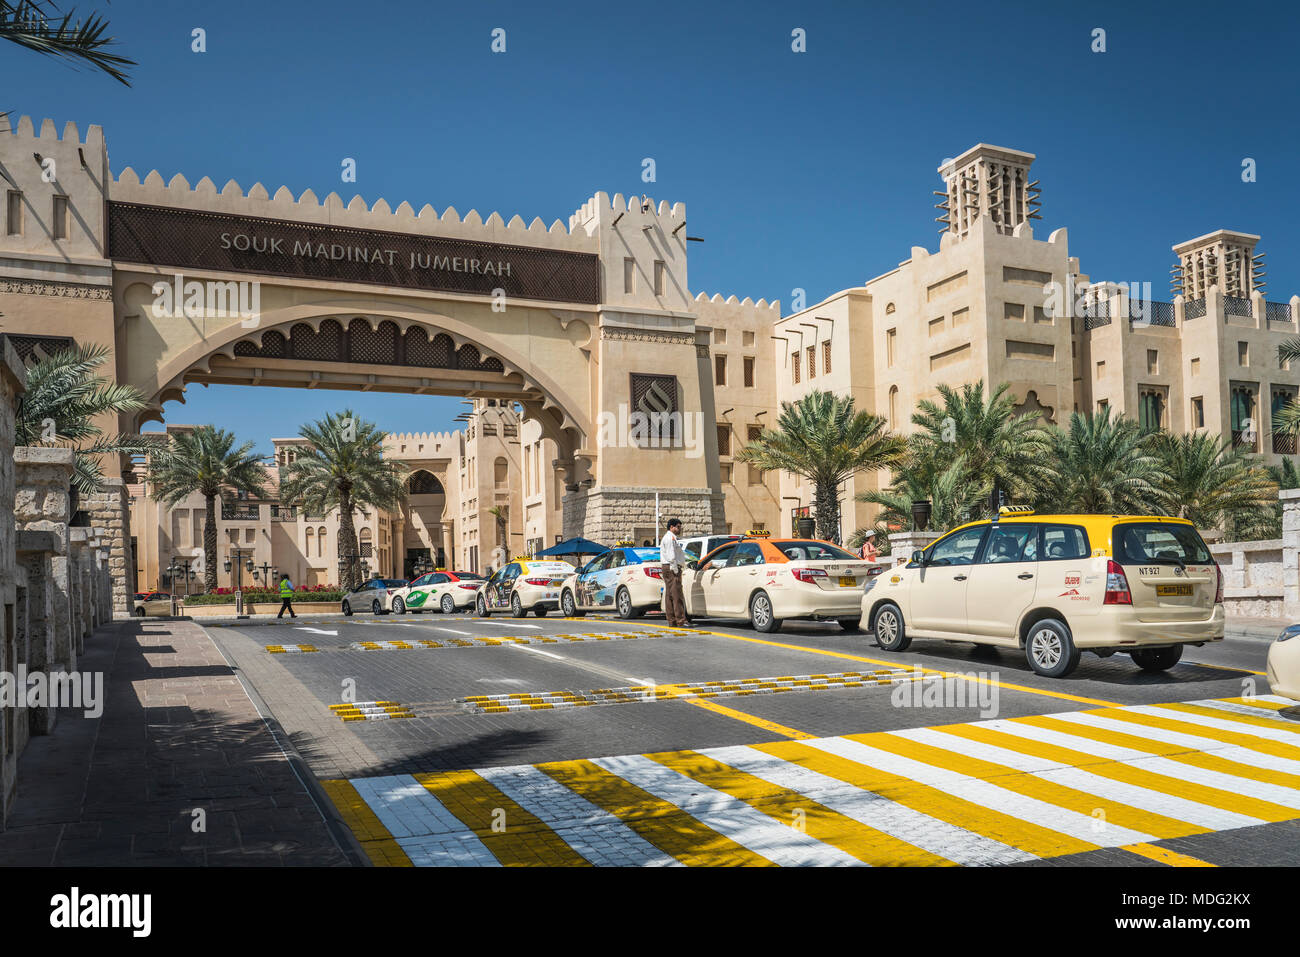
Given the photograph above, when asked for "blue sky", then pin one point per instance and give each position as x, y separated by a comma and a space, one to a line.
811, 170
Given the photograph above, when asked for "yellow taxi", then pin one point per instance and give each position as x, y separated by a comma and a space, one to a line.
1056, 585
770, 580
523, 585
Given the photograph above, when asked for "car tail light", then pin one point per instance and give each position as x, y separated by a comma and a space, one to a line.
1117, 592
469, 587
808, 575
875, 570
538, 581
1218, 588
654, 571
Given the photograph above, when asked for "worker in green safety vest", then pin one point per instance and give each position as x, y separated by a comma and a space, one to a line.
286, 595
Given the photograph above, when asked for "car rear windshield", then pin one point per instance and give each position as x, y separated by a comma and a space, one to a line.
814, 552
1159, 543
395, 582
468, 576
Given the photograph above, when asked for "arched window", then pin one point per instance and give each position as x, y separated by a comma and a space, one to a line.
320, 542
366, 543
889, 309
893, 407
501, 472
311, 538
424, 483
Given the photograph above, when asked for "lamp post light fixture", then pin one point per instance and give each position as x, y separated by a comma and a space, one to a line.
921, 511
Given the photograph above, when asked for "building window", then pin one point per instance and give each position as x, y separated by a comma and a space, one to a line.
1151, 409
720, 336
1283, 444
1153, 362
719, 370
749, 372
320, 542
629, 274
747, 339
893, 407
1243, 418
1243, 354
724, 439
659, 277
1102, 405
889, 309
794, 363
826, 357
724, 469
14, 213
891, 337
1013, 310
1101, 368
1196, 367
1198, 412
59, 224
812, 362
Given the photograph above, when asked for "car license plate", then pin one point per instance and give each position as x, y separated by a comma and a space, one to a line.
1172, 591
848, 581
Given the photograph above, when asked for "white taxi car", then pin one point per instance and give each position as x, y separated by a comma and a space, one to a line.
1283, 668
439, 590
522, 585
374, 596
769, 580
1056, 585
625, 579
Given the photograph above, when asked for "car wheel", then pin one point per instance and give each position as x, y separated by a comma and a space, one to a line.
399, 606
851, 624
1050, 650
517, 607
347, 610
624, 602
448, 605
376, 608
482, 608
138, 612
540, 611
891, 633
761, 615
1156, 659
569, 607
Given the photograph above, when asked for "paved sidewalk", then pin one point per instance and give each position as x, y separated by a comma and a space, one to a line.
178, 734
1239, 626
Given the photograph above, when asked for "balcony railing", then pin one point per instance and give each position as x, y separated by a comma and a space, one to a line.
240, 513
1277, 311
1193, 309
1245, 439
1095, 314
1149, 312
284, 513
1283, 444
1238, 306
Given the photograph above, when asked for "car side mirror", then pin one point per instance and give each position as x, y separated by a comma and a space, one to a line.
692, 565
918, 557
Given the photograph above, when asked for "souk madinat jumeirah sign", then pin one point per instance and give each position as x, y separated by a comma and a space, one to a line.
160, 236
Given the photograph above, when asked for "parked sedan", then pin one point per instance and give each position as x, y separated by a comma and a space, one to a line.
522, 585
1284, 663
770, 580
442, 591
154, 604
375, 596
624, 579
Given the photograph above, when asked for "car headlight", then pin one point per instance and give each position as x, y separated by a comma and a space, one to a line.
1290, 631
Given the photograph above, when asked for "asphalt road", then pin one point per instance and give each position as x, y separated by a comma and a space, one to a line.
408, 723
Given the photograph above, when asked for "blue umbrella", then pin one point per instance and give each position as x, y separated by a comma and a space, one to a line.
574, 546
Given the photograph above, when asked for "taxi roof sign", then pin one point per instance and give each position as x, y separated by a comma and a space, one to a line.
624, 543
758, 533
1016, 510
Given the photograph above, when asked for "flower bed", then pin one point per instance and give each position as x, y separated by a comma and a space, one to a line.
226, 596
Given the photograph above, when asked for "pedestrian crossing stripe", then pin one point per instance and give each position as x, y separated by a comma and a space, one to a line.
498, 640
291, 649
1000, 791
738, 687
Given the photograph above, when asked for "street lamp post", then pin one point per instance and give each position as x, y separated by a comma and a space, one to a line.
236, 554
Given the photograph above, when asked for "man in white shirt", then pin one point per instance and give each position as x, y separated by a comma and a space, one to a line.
673, 558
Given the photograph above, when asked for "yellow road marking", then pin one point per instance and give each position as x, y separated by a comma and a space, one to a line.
519, 838
1247, 719
663, 824
788, 807
1061, 795
710, 705
1006, 828
375, 839
1166, 856
1257, 703
1252, 741
928, 671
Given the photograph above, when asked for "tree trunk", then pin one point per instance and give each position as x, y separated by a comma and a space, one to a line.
209, 545
828, 512
349, 578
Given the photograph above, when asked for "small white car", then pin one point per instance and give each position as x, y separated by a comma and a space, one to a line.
699, 546
1283, 667
523, 585
447, 592
375, 596
624, 579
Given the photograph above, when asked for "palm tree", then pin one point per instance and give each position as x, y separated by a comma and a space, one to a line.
954, 498
37, 25
1285, 475
206, 461
824, 439
343, 468
1104, 465
64, 398
997, 447
1286, 420
1215, 486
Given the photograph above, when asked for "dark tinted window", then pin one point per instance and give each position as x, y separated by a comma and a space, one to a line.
719, 558
1011, 543
1062, 542
1158, 543
814, 552
748, 554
